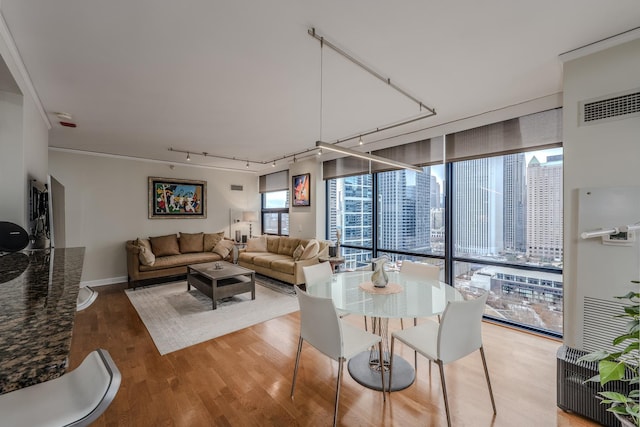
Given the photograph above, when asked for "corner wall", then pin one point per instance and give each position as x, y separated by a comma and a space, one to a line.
106, 204
599, 155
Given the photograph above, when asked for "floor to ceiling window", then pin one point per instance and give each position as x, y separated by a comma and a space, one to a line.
274, 189
490, 217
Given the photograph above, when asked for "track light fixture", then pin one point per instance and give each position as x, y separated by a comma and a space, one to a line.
360, 141
188, 157
273, 165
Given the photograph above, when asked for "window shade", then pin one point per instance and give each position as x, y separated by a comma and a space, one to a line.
539, 130
420, 153
277, 181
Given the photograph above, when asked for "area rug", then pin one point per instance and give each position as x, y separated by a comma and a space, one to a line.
177, 318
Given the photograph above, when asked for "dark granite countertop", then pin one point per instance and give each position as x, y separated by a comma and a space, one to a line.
38, 297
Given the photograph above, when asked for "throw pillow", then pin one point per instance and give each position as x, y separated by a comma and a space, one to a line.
165, 245
311, 250
297, 253
223, 248
145, 255
257, 244
211, 240
191, 242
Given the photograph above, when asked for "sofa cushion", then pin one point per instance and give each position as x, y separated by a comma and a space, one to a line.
287, 245
181, 260
273, 242
287, 266
248, 256
257, 244
311, 250
265, 260
165, 245
191, 242
224, 247
210, 240
145, 254
297, 253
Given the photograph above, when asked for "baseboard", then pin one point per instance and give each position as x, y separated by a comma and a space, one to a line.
103, 282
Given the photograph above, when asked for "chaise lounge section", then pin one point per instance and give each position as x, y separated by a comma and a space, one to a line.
282, 257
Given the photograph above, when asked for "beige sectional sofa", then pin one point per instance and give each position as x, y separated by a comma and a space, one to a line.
167, 257
282, 257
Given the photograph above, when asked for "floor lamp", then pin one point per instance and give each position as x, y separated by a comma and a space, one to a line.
249, 216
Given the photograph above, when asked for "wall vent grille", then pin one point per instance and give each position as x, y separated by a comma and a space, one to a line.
600, 327
612, 107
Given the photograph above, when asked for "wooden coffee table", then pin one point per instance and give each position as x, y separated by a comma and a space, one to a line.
228, 281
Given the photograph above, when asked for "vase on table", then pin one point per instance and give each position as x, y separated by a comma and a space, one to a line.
379, 276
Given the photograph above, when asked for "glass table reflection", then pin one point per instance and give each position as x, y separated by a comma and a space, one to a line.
417, 298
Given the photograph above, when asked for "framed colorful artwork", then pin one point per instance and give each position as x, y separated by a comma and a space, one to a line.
302, 190
177, 198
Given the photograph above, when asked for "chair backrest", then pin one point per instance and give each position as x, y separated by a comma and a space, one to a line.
319, 324
460, 331
77, 398
420, 269
317, 273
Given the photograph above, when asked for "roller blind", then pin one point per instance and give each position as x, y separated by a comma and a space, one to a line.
421, 153
277, 181
539, 130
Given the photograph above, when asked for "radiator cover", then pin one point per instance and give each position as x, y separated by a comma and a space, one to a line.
574, 395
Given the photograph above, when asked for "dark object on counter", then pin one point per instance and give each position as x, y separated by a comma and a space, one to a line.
13, 238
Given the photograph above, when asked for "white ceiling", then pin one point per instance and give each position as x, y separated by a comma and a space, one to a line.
241, 78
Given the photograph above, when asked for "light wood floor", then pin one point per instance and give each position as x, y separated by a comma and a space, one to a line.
244, 379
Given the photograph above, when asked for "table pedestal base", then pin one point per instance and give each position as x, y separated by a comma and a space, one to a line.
369, 376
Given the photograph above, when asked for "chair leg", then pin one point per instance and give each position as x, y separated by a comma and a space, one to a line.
295, 369
366, 328
393, 341
486, 373
401, 324
444, 391
381, 357
415, 352
335, 411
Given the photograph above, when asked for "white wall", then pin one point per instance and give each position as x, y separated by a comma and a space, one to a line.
13, 180
602, 155
106, 202
308, 221
23, 136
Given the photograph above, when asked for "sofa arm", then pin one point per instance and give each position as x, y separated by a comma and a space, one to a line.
133, 260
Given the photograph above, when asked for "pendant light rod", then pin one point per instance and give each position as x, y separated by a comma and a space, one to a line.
323, 41
366, 156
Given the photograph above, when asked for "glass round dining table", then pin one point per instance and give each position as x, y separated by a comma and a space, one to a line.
405, 296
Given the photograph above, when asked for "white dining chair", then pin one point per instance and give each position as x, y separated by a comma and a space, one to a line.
458, 334
77, 398
320, 273
321, 327
419, 270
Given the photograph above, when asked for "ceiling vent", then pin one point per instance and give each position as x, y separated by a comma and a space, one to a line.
611, 107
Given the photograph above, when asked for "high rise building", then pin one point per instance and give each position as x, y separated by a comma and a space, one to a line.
544, 208
478, 204
515, 204
404, 206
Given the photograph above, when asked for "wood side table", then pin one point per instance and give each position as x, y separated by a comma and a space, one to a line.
335, 261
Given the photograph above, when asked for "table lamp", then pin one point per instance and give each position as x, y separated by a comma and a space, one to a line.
249, 216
